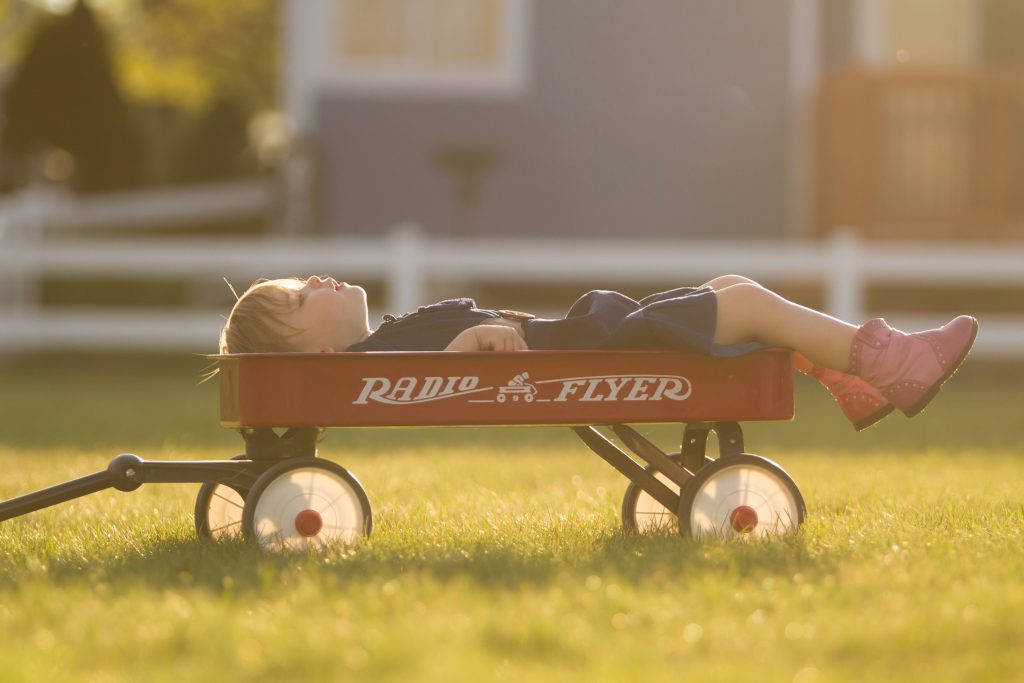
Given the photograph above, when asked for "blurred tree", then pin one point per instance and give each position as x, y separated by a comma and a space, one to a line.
15, 17
63, 96
195, 73
215, 145
189, 52
216, 62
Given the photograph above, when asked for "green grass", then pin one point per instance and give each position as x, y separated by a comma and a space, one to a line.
498, 554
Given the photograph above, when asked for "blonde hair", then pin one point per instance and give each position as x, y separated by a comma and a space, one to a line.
254, 324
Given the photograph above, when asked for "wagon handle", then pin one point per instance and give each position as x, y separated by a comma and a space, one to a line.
128, 472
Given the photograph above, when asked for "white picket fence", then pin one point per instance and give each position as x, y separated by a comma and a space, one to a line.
33, 245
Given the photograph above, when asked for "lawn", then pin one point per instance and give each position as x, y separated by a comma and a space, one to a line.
498, 554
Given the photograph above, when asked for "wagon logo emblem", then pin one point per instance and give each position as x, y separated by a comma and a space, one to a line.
416, 389
517, 388
522, 388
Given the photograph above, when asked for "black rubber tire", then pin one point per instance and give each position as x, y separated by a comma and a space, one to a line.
202, 508
633, 493
716, 469
268, 478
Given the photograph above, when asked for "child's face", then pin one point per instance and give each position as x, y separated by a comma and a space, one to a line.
329, 316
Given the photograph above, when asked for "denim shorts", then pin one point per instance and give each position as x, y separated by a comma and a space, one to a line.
680, 319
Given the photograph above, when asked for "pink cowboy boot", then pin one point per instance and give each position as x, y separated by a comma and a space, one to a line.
909, 369
861, 403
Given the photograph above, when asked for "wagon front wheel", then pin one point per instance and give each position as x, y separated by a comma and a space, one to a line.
218, 513
744, 496
306, 503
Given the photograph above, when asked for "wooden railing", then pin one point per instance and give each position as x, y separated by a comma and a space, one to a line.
904, 154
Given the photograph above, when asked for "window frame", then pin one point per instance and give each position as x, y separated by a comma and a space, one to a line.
508, 78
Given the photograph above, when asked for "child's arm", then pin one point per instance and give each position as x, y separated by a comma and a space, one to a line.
488, 338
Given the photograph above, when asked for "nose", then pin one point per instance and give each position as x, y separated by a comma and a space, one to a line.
314, 281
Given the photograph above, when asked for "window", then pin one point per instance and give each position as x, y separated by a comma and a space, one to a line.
473, 45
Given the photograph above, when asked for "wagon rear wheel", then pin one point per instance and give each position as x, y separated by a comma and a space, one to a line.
743, 496
306, 503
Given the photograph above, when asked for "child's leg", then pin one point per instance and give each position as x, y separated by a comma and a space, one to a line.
748, 312
723, 281
908, 369
800, 362
803, 364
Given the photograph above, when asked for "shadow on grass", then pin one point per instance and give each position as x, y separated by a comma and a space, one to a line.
240, 568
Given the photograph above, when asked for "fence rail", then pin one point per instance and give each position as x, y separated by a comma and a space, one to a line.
48, 209
409, 263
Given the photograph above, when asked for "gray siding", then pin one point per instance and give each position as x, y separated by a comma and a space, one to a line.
654, 118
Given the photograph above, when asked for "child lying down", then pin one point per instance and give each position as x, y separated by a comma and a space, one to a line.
870, 370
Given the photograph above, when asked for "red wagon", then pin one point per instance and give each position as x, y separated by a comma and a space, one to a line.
280, 494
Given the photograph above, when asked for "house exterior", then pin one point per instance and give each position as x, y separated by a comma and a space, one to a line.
666, 118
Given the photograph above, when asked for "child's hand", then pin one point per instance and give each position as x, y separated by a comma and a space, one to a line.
488, 338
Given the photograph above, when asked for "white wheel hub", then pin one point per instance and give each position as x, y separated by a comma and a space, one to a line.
744, 501
307, 507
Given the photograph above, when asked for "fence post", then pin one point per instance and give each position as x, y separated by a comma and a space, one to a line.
9, 275
294, 180
405, 277
844, 276
28, 216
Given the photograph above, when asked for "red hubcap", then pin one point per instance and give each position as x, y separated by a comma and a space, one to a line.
743, 519
309, 522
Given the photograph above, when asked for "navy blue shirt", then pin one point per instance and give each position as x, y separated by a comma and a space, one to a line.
681, 319
428, 328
